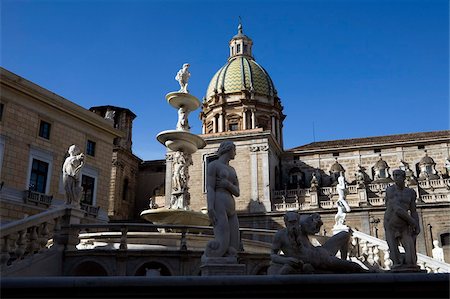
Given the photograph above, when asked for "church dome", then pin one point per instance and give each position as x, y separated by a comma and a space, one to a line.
241, 73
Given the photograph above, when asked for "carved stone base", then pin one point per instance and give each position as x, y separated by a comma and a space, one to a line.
221, 266
222, 269
340, 228
406, 269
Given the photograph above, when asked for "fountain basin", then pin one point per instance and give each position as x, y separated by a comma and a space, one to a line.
181, 99
182, 141
175, 216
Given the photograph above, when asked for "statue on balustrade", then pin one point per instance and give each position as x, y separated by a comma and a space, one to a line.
361, 176
222, 184
342, 205
301, 256
401, 223
71, 175
314, 182
437, 252
410, 178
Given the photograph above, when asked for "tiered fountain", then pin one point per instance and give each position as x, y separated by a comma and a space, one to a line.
183, 143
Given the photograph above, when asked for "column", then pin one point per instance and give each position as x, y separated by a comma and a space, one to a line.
274, 132
279, 131
254, 172
214, 124
244, 119
266, 178
253, 119
220, 126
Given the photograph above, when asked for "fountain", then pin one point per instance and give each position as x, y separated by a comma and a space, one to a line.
183, 143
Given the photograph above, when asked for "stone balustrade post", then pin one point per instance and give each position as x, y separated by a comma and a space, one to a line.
67, 236
314, 195
362, 196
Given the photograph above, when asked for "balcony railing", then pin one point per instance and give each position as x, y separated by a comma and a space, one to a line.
90, 210
37, 198
429, 191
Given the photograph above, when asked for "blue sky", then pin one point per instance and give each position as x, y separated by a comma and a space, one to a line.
352, 68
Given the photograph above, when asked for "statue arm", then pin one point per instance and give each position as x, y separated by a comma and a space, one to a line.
275, 253
414, 214
211, 192
234, 186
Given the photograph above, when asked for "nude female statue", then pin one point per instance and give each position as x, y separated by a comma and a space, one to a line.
71, 175
222, 185
182, 77
341, 203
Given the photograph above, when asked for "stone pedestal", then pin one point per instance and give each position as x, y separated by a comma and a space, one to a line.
314, 198
221, 266
406, 269
340, 228
362, 196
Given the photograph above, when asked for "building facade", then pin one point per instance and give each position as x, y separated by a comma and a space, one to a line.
36, 129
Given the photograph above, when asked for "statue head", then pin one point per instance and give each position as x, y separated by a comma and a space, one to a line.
74, 150
186, 65
225, 147
311, 224
399, 177
435, 243
291, 219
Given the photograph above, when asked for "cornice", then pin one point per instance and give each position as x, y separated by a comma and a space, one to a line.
56, 102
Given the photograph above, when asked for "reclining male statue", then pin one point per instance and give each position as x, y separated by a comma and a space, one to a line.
301, 256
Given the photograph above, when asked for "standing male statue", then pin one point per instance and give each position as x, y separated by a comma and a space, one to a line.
182, 77
401, 223
71, 175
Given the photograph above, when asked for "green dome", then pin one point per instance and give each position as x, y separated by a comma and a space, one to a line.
241, 73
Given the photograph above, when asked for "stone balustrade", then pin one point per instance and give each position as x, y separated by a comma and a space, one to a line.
29, 235
375, 252
36, 234
429, 191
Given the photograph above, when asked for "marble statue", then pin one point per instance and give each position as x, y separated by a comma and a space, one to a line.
222, 185
301, 256
437, 252
183, 123
342, 205
401, 223
71, 175
180, 180
447, 165
109, 115
182, 77
314, 182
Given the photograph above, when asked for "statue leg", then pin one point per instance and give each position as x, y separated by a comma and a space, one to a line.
338, 242
234, 232
410, 250
394, 252
221, 234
